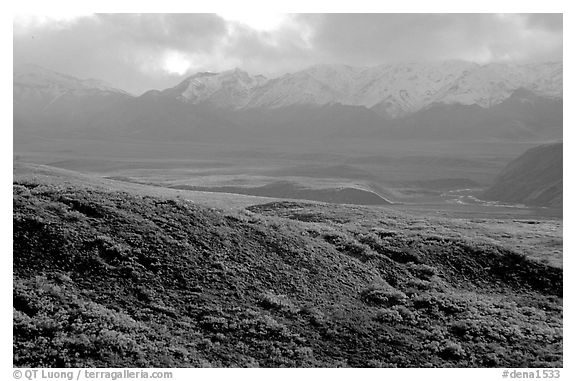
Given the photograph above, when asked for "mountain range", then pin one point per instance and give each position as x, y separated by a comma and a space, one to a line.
393, 90
452, 99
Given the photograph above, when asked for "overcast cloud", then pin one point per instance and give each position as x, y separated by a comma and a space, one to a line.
140, 52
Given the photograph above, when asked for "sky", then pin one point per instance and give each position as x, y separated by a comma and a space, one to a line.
139, 52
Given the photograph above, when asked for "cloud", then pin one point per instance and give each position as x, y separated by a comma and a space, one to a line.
128, 51
546, 21
137, 52
375, 38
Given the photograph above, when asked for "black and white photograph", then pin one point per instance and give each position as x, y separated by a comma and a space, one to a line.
287, 190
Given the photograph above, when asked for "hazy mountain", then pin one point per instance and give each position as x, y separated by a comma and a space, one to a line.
48, 101
534, 178
155, 116
523, 115
452, 99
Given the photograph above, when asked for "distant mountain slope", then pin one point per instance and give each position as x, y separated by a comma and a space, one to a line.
523, 115
112, 279
47, 82
534, 178
49, 102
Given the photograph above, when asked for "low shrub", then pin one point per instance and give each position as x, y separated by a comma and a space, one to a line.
383, 296
387, 315
278, 302
422, 271
452, 351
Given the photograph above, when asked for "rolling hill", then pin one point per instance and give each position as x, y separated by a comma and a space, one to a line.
104, 277
534, 178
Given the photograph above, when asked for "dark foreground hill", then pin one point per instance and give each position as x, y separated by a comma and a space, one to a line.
111, 279
534, 178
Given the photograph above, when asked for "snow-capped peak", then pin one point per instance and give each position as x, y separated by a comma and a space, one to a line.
232, 88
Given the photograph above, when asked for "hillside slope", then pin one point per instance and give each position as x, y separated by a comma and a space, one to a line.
534, 178
110, 279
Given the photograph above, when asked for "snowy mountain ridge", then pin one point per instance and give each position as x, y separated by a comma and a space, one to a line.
393, 90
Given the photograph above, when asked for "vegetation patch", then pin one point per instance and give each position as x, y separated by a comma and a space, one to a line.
113, 279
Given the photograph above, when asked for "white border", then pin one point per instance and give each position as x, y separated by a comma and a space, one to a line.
299, 6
